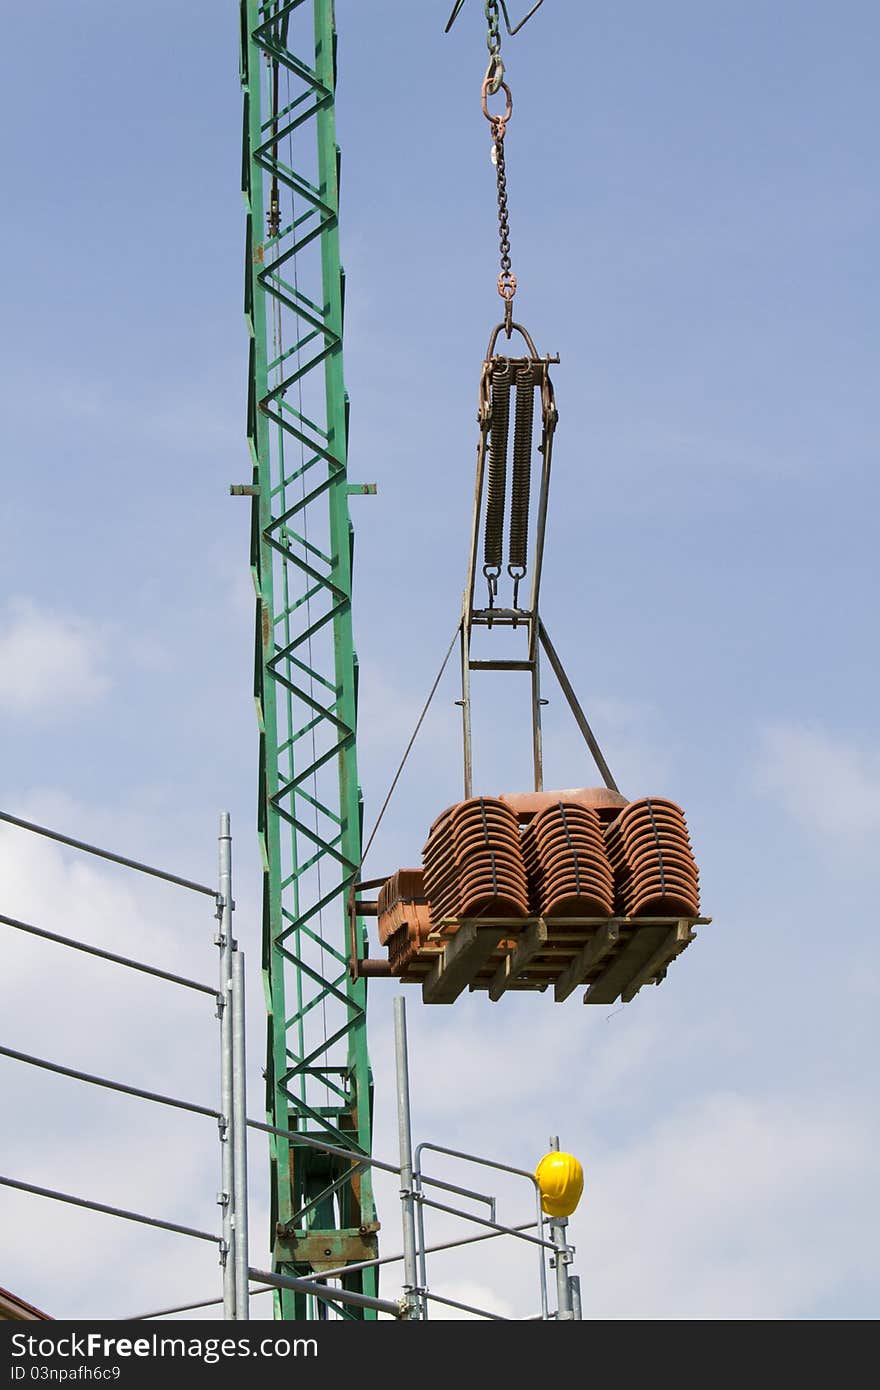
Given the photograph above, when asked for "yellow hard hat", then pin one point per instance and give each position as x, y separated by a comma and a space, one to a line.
561, 1181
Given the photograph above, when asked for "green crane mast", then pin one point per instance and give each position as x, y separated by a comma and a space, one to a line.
318, 1080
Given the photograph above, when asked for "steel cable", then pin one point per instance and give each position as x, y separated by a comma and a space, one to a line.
420, 721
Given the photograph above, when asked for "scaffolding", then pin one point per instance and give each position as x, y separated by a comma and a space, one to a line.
328, 1282
228, 998
546, 1236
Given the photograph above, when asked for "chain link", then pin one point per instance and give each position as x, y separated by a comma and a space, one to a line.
498, 123
506, 280
492, 84
493, 30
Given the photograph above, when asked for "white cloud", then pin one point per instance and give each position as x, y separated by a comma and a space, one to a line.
86, 1013
829, 785
733, 1207
49, 662
459, 1035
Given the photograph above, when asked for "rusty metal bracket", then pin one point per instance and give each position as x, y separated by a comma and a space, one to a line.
327, 1249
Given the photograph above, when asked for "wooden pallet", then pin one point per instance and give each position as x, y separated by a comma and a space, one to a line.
613, 957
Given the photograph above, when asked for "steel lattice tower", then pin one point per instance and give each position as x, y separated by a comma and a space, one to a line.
318, 1079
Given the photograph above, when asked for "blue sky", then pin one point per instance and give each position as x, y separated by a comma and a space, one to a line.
694, 207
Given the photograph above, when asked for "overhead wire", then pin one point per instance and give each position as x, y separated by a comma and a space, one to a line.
415, 733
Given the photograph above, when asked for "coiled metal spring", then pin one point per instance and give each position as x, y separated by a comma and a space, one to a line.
502, 380
518, 543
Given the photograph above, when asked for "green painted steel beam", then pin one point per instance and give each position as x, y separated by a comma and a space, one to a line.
318, 1078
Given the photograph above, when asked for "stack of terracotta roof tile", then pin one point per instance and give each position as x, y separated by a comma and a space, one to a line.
650, 851
566, 863
473, 862
404, 917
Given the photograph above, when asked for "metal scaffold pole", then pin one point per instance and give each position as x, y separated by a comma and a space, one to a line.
239, 1132
568, 1287
411, 1292
224, 1008
309, 819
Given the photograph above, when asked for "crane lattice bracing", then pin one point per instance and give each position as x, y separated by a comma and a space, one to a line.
318, 1075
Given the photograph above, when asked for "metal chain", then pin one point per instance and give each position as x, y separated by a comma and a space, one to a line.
495, 69
493, 34
507, 279
493, 83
